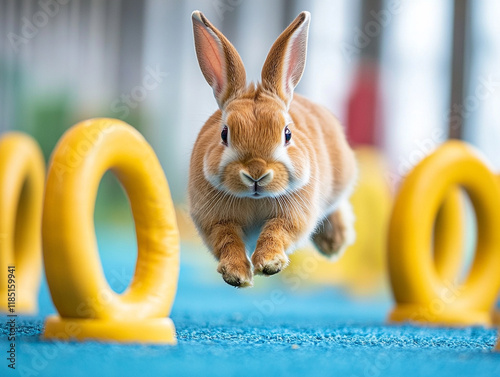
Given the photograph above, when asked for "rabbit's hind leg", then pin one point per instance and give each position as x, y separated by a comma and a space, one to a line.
335, 232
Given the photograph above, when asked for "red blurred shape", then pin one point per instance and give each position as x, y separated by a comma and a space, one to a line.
363, 107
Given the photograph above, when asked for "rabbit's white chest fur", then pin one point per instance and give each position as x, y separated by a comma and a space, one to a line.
251, 235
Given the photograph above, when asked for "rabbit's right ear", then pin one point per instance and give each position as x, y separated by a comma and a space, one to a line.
286, 60
219, 61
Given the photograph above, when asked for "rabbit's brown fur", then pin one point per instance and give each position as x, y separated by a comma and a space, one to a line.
256, 191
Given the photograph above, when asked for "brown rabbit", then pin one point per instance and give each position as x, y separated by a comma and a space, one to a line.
269, 170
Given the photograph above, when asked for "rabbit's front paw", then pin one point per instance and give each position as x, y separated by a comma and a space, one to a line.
236, 272
267, 261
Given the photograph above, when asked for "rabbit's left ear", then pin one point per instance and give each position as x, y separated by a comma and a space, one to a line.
286, 60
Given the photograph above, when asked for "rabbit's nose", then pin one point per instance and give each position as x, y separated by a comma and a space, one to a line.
263, 180
256, 172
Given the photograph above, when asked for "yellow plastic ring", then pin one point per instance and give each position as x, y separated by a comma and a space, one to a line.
87, 306
421, 293
22, 176
449, 242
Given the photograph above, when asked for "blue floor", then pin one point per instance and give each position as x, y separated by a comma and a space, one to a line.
270, 330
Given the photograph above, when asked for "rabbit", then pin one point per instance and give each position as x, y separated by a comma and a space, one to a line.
269, 169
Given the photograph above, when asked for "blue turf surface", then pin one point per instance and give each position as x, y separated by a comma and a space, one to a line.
270, 330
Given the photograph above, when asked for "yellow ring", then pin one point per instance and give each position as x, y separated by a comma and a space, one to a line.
74, 272
448, 243
420, 292
22, 175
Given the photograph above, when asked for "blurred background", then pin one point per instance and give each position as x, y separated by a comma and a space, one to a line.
402, 76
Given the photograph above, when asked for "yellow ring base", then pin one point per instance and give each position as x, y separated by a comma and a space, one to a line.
446, 316
26, 307
147, 331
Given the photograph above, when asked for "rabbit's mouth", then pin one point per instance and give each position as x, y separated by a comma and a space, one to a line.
254, 192
257, 190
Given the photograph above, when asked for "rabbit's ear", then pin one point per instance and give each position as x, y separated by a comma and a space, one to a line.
287, 58
219, 61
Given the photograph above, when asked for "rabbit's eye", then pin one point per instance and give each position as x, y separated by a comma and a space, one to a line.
288, 135
223, 135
